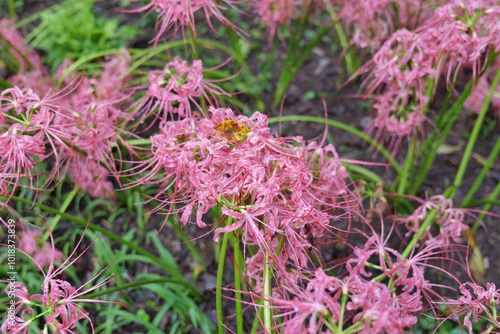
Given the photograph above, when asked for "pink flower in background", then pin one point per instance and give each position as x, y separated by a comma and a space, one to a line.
278, 13
452, 36
26, 56
30, 243
91, 119
92, 178
180, 14
377, 307
481, 88
34, 128
26, 125
450, 221
275, 13
371, 22
396, 117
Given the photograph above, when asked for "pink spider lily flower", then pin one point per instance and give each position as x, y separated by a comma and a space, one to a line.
455, 35
269, 186
174, 88
409, 284
20, 325
29, 134
92, 120
403, 62
59, 298
376, 308
463, 32
304, 310
476, 302
180, 14
278, 13
26, 118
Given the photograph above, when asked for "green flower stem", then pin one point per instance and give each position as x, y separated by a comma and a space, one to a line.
267, 295
445, 122
329, 323
364, 172
192, 36
355, 328
349, 55
113, 236
237, 281
478, 202
410, 156
220, 276
345, 127
135, 284
345, 295
256, 319
427, 222
484, 171
135, 142
53, 222
451, 191
293, 63
444, 108
11, 5
435, 140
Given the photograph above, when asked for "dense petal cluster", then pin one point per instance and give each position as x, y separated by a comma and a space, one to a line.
270, 187
462, 32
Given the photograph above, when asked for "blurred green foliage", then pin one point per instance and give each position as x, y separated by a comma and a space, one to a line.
76, 30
